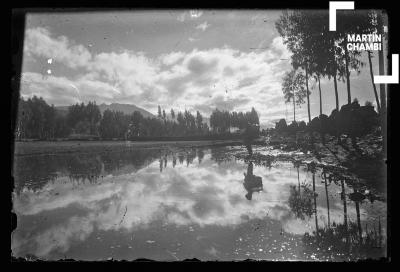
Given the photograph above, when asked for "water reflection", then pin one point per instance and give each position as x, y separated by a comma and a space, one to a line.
34, 172
166, 205
300, 201
252, 183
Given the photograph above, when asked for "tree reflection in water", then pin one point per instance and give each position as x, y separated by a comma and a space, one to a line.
190, 156
221, 154
300, 201
336, 240
339, 241
327, 182
300, 198
312, 168
34, 172
173, 161
200, 155
181, 158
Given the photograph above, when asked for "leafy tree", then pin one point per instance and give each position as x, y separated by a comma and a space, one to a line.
82, 127
293, 29
61, 126
135, 121
321, 52
181, 122
159, 111
253, 117
281, 125
222, 121
293, 89
199, 121
75, 114
93, 116
82, 114
36, 119
107, 125
352, 21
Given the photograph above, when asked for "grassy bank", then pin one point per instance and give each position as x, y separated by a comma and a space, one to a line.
48, 147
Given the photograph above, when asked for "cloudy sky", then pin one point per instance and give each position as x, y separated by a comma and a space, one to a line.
194, 59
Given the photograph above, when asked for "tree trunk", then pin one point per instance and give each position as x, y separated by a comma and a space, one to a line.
308, 97
294, 107
378, 106
337, 105
336, 92
345, 210
346, 58
320, 96
320, 110
315, 204
298, 178
327, 200
382, 90
358, 220
335, 83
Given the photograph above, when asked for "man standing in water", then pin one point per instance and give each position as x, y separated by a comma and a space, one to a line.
250, 134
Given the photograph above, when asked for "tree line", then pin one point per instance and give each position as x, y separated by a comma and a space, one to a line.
320, 53
223, 121
38, 120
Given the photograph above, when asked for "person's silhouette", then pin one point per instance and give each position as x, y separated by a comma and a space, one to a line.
252, 183
248, 138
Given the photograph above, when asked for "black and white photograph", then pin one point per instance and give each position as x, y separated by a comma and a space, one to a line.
202, 134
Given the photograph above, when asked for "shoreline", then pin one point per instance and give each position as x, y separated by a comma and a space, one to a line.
365, 161
64, 147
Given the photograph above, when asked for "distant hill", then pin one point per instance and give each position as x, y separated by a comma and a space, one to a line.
125, 108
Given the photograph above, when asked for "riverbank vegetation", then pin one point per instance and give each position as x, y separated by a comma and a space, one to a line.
38, 120
320, 53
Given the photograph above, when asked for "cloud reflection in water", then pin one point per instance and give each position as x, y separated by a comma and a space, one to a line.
206, 194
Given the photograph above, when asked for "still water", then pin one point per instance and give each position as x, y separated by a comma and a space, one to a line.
190, 203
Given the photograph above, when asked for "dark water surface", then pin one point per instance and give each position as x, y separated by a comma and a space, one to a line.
191, 203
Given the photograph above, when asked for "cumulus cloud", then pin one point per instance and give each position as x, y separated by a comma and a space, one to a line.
171, 58
216, 77
38, 41
64, 91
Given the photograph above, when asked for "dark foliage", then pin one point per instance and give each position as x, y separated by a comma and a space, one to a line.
352, 120
38, 120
